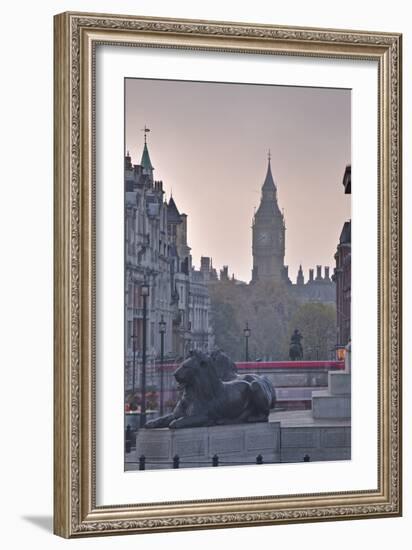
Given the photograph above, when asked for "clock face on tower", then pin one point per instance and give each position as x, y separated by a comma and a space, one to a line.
263, 237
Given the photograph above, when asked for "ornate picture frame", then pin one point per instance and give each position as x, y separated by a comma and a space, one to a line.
76, 510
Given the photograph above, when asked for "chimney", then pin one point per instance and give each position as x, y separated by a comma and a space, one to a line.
184, 227
205, 263
310, 275
158, 186
224, 274
327, 278
318, 272
128, 161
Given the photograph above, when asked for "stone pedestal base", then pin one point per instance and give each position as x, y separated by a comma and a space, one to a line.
196, 447
316, 442
335, 402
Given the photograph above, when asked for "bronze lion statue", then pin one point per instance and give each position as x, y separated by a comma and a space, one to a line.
213, 394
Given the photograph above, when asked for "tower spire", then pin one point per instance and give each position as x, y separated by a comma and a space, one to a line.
145, 130
269, 184
268, 234
300, 279
146, 163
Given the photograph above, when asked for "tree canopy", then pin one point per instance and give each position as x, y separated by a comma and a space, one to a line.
317, 323
272, 313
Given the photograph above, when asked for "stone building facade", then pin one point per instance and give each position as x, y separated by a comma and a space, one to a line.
157, 254
343, 275
319, 288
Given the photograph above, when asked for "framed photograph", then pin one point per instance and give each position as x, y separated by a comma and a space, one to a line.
227, 304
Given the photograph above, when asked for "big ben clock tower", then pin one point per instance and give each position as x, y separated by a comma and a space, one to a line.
268, 235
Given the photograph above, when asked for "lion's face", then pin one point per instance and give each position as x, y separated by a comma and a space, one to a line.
189, 370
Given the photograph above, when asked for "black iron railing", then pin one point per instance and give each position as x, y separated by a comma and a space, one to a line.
215, 461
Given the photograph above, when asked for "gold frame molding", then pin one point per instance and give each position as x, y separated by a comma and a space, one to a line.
75, 38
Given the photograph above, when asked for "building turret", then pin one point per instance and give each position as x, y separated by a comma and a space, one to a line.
224, 273
205, 264
300, 279
128, 162
347, 180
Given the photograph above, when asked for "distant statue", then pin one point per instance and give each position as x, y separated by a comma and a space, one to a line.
295, 347
207, 399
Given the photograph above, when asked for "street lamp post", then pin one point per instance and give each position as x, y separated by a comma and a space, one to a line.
246, 332
162, 330
188, 337
145, 293
189, 328
134, 337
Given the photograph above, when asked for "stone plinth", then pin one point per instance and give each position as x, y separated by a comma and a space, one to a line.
319, 443
339, 383
319, 439
325, 405
335, 402
233, 444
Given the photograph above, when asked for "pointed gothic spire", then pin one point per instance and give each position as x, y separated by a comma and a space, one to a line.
269, 183
268, 202
300, 279
146, 163
173, 214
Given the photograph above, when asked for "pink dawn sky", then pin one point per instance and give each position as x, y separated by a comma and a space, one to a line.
209, 144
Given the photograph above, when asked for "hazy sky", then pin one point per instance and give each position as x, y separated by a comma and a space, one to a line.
209, 143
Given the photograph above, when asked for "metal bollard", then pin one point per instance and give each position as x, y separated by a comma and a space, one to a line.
142, 462
128, 439
259, 459
176, 461
215, 460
